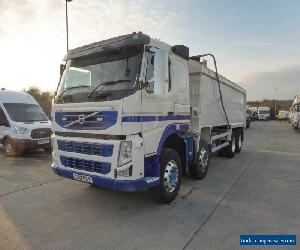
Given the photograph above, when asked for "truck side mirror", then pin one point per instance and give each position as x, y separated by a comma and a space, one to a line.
149, 87
62, 69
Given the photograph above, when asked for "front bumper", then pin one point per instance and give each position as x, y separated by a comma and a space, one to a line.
31, 144
120, 185
264, 118
139, 174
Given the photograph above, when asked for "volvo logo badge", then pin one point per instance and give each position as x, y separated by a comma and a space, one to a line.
81, 119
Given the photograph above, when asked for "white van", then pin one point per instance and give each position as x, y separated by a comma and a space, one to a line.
23, 123
264, 113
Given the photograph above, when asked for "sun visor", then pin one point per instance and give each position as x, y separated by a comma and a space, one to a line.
98, 47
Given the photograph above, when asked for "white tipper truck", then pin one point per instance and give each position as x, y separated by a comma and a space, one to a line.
295, 113
148, 115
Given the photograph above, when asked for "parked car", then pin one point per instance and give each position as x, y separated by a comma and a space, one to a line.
23, 123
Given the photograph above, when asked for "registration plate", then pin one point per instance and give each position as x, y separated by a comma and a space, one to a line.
43, 141
84, 178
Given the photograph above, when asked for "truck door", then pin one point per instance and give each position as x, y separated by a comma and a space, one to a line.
157, 103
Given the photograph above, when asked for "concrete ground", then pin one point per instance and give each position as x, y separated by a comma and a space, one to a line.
257, 192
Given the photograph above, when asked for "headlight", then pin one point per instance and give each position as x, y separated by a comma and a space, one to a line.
125, 154
22, 130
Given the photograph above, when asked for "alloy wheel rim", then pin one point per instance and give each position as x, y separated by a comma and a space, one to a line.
240, 142
203, 159
233, 145
171, 176
8, 148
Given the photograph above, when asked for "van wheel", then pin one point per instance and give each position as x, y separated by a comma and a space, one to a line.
48, 149
229, 150
170, 177
12, 149
238, 142
199, 169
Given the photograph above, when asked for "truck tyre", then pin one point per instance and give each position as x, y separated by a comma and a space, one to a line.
229, 150
198, 169
238, 142
170, 177
11, 149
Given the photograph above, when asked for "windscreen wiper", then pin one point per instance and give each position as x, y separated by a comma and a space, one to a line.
75, 87
106, 84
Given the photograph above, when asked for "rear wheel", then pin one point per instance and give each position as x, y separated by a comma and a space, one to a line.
229, 150
170, 177
238, 142
12, 148
199, 169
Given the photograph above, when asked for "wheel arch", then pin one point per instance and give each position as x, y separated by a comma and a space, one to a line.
4, 139
172, 138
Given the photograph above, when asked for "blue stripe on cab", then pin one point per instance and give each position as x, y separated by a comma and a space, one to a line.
139, 118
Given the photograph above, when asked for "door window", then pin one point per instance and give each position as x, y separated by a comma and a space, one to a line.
3, 120
150, 72
157, 73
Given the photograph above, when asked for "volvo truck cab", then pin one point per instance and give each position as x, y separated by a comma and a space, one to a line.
127, 116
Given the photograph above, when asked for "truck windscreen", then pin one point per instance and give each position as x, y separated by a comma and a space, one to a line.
263, 112
23, 112
106, 76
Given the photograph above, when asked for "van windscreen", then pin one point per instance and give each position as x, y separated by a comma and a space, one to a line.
24, 112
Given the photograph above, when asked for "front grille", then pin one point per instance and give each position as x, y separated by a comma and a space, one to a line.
86, 165
104, 150
86, 120
41, 133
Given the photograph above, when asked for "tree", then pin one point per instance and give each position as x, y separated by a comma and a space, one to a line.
44, 98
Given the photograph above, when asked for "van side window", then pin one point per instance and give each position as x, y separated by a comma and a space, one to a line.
3, 120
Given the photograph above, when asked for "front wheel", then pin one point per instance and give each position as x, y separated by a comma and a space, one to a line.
170, 177
199, 169
12, 148
48, 149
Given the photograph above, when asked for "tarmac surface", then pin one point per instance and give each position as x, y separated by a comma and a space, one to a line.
256, 192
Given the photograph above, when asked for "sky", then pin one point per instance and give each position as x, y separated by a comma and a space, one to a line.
256, 42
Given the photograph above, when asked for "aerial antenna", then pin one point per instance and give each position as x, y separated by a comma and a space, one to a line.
67, 23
